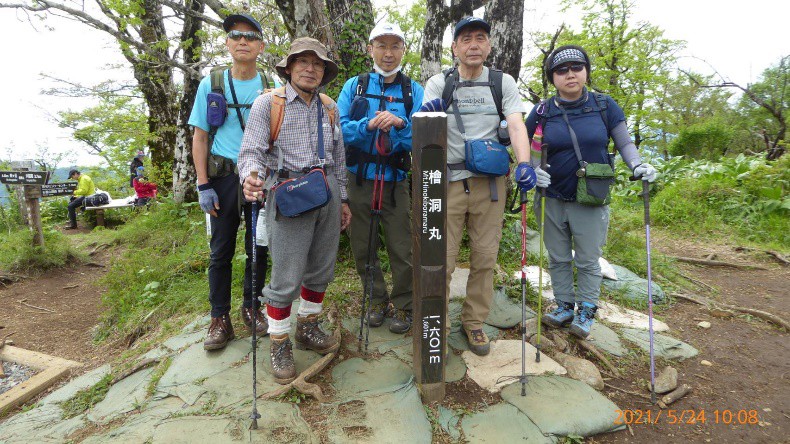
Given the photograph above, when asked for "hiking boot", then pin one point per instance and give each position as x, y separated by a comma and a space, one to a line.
376, 314
583, 320
478, 341
283, 368
401, 321
219, 333
261, 324
70, 227
561, 316
309, 336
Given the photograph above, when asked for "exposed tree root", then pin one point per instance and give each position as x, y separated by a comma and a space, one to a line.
764, 315
692, 260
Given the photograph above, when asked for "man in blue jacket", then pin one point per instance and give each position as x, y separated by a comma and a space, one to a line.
375, 113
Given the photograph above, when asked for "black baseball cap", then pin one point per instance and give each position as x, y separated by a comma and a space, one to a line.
471, 21
236, 18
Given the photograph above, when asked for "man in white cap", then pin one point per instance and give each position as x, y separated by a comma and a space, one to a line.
375, 113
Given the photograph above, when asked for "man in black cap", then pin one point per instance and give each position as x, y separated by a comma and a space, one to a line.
475, 200
222, 105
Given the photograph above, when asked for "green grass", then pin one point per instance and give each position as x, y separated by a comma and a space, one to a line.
86, 398
17, 253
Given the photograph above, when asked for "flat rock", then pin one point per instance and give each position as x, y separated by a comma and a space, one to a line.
448, 420
581, 370
567, 407
606, 339
123, 397
184, 340
396, 416
504, 312
667, 380
502, 423
41, 424
201, 322
82, 382
458, 282
455, 368
355, 377
628, 318
503, 364
378, 336
140, 427
665, 346
195, 364
533, 277
199, 429
633, 287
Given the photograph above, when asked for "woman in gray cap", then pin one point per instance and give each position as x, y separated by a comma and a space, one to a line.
576, 126
304, 246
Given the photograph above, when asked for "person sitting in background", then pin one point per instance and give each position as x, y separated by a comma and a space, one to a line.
85, 188
144, 189
135, 165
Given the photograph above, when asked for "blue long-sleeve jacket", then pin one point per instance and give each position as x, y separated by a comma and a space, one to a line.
355, 132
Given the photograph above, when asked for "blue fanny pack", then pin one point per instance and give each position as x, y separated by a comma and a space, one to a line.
487, 157
301, 195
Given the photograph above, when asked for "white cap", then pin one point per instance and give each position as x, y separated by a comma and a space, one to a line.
384, 28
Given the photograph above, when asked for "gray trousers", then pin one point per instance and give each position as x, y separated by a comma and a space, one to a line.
570, 225
303, 249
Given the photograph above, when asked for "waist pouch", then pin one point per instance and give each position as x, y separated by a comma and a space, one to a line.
486, 157
301, 195
219, 166
216, 109
594, 185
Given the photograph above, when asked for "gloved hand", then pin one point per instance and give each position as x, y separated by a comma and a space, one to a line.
646, 172
209, 201
542, 178
525, 177
435, 105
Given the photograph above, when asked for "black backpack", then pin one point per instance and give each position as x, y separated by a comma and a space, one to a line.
218, 87
452, 81
96, 200
405, 84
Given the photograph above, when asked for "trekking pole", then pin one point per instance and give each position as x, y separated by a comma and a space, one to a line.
375, 215
543, 165
253, 283
646, 199
523, 379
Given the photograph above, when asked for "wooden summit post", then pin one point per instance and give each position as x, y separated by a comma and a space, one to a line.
429, 252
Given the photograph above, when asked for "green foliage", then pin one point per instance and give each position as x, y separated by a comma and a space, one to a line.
709, 139
87, 398
162, 272
412, 22
745, 195
17, 252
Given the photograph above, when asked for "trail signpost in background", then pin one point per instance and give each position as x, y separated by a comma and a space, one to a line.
429, 252
32, 182
58, 189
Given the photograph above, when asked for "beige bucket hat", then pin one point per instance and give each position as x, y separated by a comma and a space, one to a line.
305, 44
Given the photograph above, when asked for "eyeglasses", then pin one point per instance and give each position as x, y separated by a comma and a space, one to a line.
317, 64
249, 35
562, 70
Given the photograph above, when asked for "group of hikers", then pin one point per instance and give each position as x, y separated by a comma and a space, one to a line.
320, 164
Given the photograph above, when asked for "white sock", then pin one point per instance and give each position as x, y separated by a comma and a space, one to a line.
307, 308
279, 326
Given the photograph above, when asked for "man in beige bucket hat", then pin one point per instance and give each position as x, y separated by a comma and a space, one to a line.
304, 245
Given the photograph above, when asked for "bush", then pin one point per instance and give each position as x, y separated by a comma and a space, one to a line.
17, 252
707, 140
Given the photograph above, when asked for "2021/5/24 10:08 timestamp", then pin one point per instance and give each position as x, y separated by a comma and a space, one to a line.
690, 416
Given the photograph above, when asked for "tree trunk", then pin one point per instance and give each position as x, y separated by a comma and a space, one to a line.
184, 175
506, 18
438, 18
352, 21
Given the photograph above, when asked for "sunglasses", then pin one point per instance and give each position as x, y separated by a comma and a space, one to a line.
249, 35
562, 70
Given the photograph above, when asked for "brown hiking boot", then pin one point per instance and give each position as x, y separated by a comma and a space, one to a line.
261, 324
219, 333
478, 341
309, 336
283, 368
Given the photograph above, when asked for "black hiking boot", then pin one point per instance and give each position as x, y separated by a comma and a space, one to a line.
401, 321
376, 314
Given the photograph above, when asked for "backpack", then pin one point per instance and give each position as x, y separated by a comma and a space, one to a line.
219, 106
96, 200
405, 85
452, 81
277, 113
600, 100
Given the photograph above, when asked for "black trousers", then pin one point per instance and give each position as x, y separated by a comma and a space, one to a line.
224, 229
73, 205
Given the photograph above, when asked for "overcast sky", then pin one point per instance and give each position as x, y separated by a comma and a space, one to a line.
738, 41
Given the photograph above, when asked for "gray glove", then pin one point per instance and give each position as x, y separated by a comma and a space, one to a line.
543, 178
209, 201
645, 171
